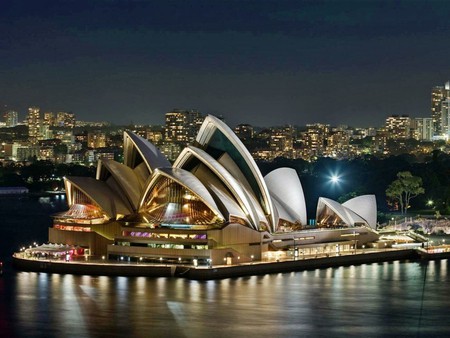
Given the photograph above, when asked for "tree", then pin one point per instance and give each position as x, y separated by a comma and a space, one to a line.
404, 188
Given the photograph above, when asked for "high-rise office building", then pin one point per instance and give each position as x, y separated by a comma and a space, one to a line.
182, 125
398, 127
445, 118
314, 140
34, 123
11, 118
422, 128
439, 94
281, 142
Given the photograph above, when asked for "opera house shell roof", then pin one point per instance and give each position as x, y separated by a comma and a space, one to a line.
360, 210
213, 182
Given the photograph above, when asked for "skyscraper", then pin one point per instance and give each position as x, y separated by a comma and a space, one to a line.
33, 121
439, 94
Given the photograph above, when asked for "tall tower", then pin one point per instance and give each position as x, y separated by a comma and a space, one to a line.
33, 121
439, 94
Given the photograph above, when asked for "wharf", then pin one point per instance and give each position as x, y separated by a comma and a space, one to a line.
109, 268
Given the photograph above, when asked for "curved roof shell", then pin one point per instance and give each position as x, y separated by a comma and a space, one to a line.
189, 181
99, 192
216, 138
348, 216
138, 149
124, 177
366, 207
244, 198
225, 201
285, 187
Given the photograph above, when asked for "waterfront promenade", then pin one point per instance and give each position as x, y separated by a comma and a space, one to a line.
94, 266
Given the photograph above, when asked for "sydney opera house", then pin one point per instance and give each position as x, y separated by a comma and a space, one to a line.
211, 205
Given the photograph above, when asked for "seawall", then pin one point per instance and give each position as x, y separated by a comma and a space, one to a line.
203, 273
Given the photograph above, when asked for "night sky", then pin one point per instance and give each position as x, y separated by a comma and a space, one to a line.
259, 62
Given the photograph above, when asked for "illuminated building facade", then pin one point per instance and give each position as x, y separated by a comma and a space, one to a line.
398, 127
281, 142
212, 204
96, 139
182, 125
439, 94
11, 118
34, 123
65, 119
314, 140
423, 128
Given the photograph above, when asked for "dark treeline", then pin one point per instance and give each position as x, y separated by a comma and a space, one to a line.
371, 175
41, 175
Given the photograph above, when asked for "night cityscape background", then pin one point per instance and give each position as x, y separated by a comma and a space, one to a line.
259, 62
323, 87
352, 95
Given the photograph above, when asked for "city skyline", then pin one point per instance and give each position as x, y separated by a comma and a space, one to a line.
273, 62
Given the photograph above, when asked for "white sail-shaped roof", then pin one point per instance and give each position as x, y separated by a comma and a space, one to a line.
216, 138
99, 192
366, 207
189, 181
247, 202
137, 148
349, 217
285, 187
124, 177
225, 201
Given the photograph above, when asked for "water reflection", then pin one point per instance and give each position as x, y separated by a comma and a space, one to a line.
408, 299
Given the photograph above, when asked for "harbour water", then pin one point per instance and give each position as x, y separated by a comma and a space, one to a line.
394, 299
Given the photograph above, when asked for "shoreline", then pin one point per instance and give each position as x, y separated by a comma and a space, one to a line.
99, 268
